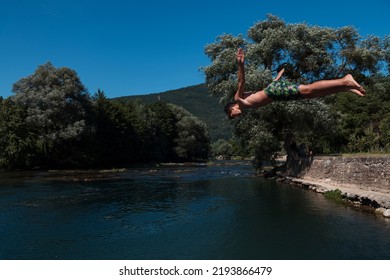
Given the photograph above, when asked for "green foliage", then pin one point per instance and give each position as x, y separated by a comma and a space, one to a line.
56, 105
165, 132
113, 133
365, 121
192, 139
256, 137
222, 148
335, 195
17, 141
220, 75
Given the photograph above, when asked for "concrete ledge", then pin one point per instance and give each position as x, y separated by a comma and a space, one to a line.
365, 173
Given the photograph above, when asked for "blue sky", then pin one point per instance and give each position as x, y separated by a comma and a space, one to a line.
149, 46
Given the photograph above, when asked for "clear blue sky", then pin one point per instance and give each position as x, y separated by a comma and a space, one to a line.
148, 46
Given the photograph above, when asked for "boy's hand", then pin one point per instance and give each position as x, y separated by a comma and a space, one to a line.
279, 75
240, 56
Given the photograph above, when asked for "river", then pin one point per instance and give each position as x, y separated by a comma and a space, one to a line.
179, 212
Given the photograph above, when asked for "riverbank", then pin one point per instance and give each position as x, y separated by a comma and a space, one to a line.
363, 180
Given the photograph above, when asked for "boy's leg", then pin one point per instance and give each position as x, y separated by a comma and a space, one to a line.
327, 87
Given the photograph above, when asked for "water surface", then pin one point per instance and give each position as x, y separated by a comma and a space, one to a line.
218, 212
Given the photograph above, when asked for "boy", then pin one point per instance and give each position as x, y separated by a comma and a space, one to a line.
284, 90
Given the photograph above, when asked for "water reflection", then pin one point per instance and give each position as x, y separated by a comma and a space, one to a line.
220, 212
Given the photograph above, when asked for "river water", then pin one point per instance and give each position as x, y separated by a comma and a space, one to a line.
216, 212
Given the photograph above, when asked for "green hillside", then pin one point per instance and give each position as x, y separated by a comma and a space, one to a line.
196, 100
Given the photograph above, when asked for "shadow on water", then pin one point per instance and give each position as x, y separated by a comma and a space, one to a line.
218, 212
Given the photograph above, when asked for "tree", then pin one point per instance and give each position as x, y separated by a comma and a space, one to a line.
364, 123
143, 141
57, 106
308, 53
164, 128
114, 136
220, 76
222, 148
192, 140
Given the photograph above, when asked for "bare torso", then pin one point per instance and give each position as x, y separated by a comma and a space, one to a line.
256, 99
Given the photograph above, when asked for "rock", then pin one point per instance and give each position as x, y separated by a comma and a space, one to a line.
352, 196
380, 210
321, 190
386, 213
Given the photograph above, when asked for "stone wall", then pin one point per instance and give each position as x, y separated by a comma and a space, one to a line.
365, 173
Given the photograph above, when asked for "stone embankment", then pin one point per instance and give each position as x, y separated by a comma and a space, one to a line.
363, 180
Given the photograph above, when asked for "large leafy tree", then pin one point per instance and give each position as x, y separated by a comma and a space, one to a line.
308, 53
166, 132
57, 106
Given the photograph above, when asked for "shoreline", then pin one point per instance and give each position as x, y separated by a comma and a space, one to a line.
104, 174
377, 201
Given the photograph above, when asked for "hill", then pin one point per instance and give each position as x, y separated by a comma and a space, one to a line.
196, 100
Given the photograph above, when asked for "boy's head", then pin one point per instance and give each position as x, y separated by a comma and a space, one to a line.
232, 109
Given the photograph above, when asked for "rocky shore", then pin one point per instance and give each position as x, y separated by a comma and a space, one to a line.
361, 180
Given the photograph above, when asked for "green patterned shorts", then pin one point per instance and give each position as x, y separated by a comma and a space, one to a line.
282, 91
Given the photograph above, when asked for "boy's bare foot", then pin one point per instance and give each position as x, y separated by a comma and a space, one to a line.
353, 85
356, 92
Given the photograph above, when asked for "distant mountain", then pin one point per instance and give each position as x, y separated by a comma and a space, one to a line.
199, 102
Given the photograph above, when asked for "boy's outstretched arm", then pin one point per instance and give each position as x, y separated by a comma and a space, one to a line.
241, 75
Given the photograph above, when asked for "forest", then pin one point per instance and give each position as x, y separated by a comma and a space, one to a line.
51, 121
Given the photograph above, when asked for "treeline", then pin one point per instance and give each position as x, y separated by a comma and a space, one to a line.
199, 102
52, 121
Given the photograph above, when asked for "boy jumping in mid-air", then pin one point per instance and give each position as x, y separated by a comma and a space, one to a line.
284, 90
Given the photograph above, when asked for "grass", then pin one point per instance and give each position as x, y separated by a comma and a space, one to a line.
335, 195
366, 155
347, 155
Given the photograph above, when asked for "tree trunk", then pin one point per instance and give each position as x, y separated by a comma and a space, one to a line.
298, 159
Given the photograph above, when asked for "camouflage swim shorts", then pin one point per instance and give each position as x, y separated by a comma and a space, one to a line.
283, 90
